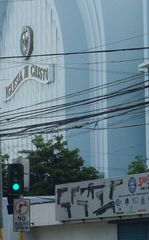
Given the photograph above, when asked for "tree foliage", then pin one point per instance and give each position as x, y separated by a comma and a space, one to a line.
138, 165
53, 163
4, 161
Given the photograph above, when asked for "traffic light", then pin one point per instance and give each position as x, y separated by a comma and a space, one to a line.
15, 184
15, 179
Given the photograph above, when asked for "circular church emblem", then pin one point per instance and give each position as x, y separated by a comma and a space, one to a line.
27, 41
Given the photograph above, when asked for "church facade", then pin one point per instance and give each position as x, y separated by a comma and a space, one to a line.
70, 67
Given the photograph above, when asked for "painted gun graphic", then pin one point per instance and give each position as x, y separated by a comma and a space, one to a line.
60, 191
104, 208
85, 205
67, 206
91, 189
74, 190
114, 184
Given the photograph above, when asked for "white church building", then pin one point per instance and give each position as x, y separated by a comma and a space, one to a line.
71, 67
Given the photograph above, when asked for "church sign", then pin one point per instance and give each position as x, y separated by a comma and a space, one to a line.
42, 74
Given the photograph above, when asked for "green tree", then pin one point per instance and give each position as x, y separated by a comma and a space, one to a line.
138, 165
53, 163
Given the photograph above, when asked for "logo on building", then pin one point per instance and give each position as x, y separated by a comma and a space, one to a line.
27, 41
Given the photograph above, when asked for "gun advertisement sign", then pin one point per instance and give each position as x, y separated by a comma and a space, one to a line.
120, 196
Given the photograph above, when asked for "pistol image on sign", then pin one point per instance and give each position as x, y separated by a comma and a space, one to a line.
74, 190
85, 206
114, 184
60, 191
91, 189
104, 208
67, 205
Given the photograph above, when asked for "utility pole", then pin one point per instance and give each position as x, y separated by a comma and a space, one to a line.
21, 235
1, 197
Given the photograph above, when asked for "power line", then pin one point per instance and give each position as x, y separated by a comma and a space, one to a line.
138, 101
77, 53
74, 94
73, 65
39, 127
52, 130
42, 113
5, 1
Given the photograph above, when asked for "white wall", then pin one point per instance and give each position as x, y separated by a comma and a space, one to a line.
82, 231
43, 214
44, 226
106, 25
79, 25
41, 16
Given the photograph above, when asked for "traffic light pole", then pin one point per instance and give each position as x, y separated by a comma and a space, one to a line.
21, 235
1, 197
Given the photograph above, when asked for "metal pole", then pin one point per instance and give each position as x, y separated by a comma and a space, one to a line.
21, 235
1, 197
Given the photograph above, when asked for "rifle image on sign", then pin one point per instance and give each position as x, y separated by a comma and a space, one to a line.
91, 189
85, 206
99, 196
67, 206
104, 208
74, 190
60, 191
114, 184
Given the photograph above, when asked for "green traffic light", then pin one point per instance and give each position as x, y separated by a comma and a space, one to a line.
15, 186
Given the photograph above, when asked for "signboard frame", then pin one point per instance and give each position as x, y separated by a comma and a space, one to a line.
125, 196
21, 216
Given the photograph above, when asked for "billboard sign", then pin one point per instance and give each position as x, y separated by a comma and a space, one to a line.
119, 196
